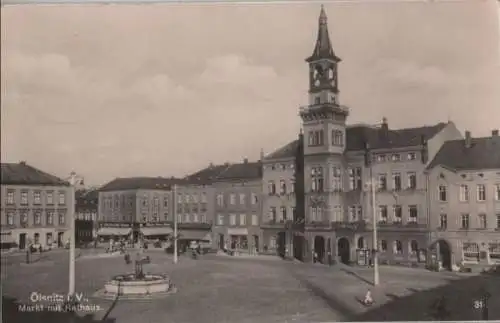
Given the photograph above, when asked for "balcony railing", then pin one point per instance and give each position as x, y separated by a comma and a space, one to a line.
331, 105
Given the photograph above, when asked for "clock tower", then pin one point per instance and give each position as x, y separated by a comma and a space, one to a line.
324, 141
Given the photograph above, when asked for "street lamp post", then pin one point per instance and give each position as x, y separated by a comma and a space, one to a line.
376, 277
71, 288
174, 199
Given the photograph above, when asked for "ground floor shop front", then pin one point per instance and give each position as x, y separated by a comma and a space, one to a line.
44, 237
244, 240
348, 246
453, 249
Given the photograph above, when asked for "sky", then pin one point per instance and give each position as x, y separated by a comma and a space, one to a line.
164, 89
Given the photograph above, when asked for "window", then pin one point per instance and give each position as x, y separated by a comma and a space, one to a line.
413, 247
282, 187
337, 213
359, 212
383, 246
203, 197
255, 219
243, 219
292, 186
354, 178
220, 219
352, 213
195, 218
316, 138
413, 211
37, 199
62, 198
187, 218
361, 243
187, 198
382, 182
23, 218
50, 218
465, 221
220, 199
24, 198
283, 214
242, 199
316, 214
481, 193
395, 157
180, 198
464, 193
232, 219
396, 181
62, 218
498, 221
412, 180
471, 250
337, 138
37, 237
254, 198
482, 221
337, 178
382, 213
10, 218
232, 199
398, 247
443, 221
412, 156
195, 198
271, 187
204, 218
317, 100
272, 213
37, 218
497, 192
442, 193
398, 213
317, 179
292, 213
381, 158
179, 218
10, 196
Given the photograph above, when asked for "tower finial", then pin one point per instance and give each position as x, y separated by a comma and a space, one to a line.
323, 48
322, 15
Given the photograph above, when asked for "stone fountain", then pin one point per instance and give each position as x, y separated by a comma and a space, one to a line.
137, 285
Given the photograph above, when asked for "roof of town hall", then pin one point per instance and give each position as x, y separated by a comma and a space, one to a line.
226, 172
135, 183
24, 174
358, 135
483, 154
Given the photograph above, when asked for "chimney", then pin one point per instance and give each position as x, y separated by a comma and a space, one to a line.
385, 126
211, 165
22, 162
494, 133
261, 154
245, 160
468, 139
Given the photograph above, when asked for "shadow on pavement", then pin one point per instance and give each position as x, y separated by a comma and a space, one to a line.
332, 302
352, 273
12, 312
459, 296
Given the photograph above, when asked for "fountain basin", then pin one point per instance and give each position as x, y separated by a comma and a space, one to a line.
128, 284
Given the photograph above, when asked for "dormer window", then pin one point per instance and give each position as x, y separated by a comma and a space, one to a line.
412, 156
396, 157
380, 158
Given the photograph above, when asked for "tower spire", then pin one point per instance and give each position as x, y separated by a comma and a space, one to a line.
323, 48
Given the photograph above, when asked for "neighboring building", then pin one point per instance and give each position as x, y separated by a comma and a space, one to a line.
237, 190
339, 161
136, 208
86, 208
35, 207
464, 194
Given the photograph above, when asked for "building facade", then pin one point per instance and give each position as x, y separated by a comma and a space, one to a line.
35, 207
340, 164
464, 195
86, 209
137, 208
236, 192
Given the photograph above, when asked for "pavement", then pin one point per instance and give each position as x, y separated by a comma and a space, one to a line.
221, 289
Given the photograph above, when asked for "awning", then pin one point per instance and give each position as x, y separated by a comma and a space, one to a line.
237, 231
7, 238
195, 235
113, 231
156, 231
